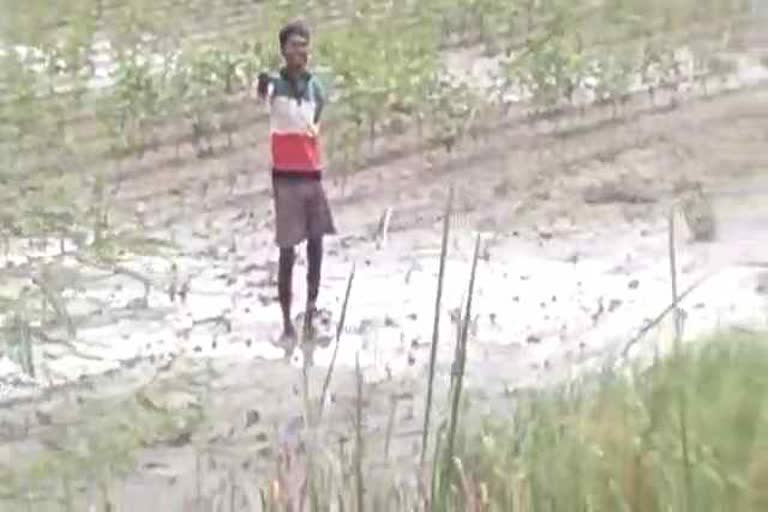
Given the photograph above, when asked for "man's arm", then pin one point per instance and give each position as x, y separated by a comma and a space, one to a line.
319, 101
319, 97
262, 86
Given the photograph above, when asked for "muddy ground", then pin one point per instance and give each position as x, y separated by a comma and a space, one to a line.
574, 263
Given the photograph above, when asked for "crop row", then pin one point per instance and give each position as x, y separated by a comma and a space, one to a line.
195, 86
380, 74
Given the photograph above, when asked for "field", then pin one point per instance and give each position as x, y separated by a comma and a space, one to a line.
566, 133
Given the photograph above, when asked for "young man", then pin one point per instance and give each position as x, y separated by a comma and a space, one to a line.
296, 102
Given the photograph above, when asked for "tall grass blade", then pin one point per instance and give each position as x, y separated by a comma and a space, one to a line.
339, 330
436, 325
437, 464
673, 275
468, 492
682, 412
459, 364
390, 425
661, 316
311, 428
359, 490
457, 347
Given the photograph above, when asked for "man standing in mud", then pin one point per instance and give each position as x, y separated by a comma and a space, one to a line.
296, 101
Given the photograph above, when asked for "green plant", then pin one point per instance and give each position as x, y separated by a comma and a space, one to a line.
436, 326
450, 467
623, 437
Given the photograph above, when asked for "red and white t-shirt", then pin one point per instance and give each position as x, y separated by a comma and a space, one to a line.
295, 107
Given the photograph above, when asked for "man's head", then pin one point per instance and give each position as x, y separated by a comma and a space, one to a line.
294, 45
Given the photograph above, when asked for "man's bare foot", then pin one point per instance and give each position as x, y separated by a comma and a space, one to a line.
310, 317
309, 328
287, 339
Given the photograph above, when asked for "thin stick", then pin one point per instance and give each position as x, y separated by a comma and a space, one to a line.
309, 423
460, 364
435, 482
436, 325
678, 357
384, 228
309, 420
305, 395
673, 274
653, 323
359, 435
390, 425
457, 348
470, 498
339, 329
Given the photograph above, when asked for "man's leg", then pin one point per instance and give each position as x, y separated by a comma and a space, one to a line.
290, 229
319, 223
285, 288
314, 265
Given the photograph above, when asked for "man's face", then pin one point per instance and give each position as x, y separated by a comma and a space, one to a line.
296, 52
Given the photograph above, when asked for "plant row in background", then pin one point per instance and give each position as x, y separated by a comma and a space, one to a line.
383, 68
382, 64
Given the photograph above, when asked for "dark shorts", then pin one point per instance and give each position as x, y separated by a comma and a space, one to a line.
301, 210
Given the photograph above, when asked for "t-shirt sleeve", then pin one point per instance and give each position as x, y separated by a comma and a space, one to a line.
320, 99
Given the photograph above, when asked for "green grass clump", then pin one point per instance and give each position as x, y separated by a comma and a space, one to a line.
610, 442
614, 443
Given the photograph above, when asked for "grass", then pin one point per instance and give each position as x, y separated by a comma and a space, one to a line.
615, 442
436, 325
612, 442
607, 442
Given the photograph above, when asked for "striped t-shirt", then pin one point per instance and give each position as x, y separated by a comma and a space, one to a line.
294, 107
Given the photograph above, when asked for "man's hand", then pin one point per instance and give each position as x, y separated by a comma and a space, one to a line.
313, 129
262, 87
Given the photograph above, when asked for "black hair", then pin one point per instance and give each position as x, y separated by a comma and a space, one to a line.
298, 28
